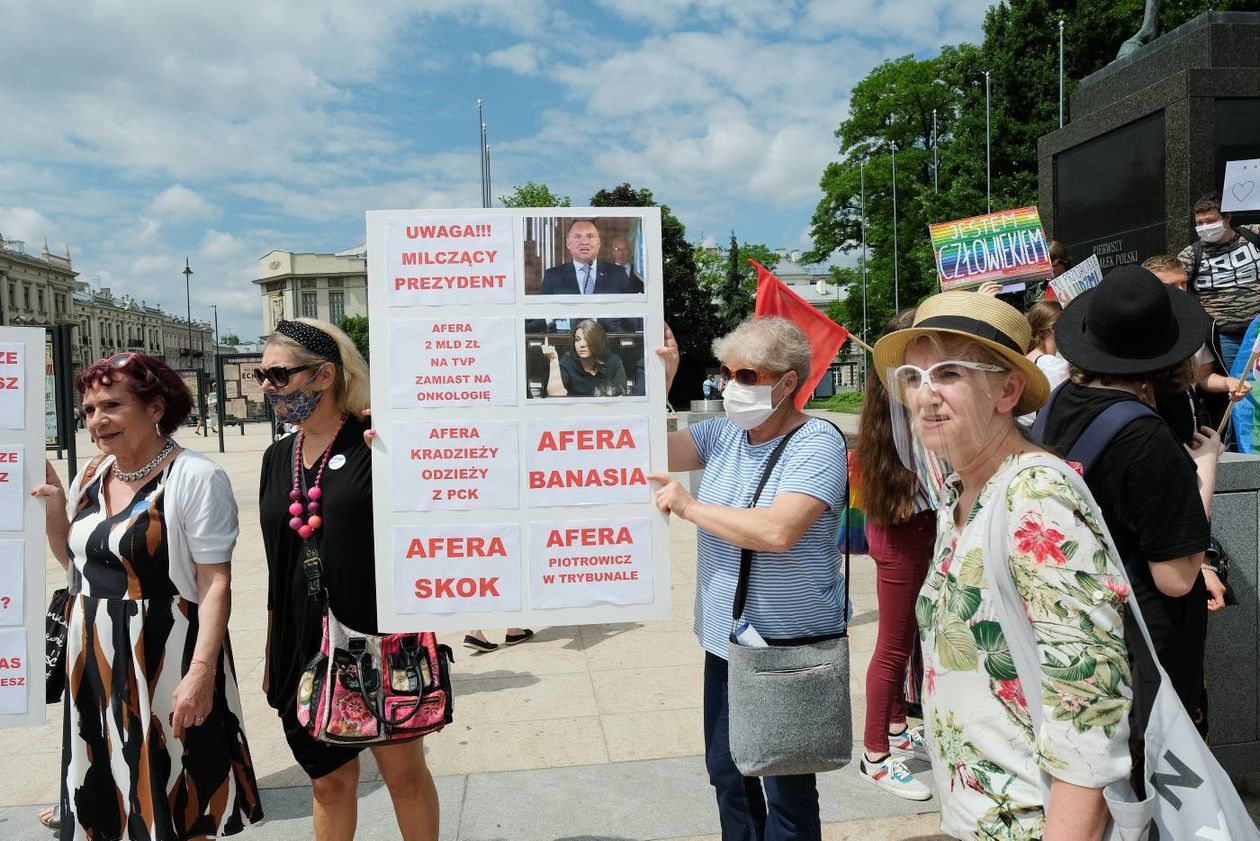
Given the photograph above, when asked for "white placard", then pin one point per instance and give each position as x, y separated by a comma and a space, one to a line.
454, 465
1242, 186
457, 568
450, 259
22, 524
1082, 277
586, 461
12, 582
12, 386
582, 563
14, 690
12, 487
475, 438
452, 362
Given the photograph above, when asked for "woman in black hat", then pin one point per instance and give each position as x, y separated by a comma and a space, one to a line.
1124, 338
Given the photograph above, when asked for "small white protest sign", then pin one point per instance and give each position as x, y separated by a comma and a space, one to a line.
581, 563
586, 461
12, 386
12, 581
449, 259
1242, 186
457, 568
13, 671
452, 362
455, 465
12, 496
1080, 278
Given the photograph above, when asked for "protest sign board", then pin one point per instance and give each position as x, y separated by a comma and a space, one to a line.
1241, 190
22, 537
1084, 276
1007, 247
519, 408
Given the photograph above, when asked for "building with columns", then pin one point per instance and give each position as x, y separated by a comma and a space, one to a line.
110, 324
35, 290
324, 286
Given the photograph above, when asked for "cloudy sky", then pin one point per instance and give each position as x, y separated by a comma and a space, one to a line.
140, 132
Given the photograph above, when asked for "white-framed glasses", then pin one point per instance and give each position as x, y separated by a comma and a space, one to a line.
943, 373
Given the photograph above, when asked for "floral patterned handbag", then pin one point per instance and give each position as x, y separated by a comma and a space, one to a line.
364, 689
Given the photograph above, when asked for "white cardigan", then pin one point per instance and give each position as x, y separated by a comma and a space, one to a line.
200, 515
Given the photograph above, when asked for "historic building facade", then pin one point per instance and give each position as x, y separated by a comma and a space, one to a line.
324, 286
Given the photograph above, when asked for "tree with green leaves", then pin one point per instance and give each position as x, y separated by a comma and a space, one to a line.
688, 306
356, 327
731, 279
533, 194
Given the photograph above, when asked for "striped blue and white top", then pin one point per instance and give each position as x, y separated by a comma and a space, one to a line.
795, 594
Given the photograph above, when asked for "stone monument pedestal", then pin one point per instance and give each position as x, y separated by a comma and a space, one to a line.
1149, 134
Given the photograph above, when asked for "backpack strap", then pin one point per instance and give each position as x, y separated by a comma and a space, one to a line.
1105, 426
1249, 235
1193, 274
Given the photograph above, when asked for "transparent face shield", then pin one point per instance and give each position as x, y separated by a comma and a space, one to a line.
949, 406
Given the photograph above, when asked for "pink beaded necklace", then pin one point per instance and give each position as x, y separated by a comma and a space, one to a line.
306, 529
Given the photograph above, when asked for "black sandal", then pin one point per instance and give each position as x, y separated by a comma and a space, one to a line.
513, 639
477, 644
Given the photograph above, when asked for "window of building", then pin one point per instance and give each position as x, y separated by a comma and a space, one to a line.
275, 286
336, 306
309, 307
12, 296
309, 283
39, 296
26, 298
335, 283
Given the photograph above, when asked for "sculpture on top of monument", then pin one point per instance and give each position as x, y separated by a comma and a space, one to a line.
1145, 35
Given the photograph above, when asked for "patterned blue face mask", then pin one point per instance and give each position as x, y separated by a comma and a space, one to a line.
297, 405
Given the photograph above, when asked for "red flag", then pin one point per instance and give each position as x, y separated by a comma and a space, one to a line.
825, 336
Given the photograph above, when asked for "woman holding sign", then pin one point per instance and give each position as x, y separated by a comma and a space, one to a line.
315, 378
796, 588
153, 745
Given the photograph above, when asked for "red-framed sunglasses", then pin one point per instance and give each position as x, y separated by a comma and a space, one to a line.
748, 376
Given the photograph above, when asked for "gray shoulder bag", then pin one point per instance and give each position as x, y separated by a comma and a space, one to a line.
1189, 795
788, 704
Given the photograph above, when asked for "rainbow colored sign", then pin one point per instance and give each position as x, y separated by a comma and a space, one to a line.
1006, 247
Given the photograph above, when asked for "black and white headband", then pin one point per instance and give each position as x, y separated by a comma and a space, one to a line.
311, 338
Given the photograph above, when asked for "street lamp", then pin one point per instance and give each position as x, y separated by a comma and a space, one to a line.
188, 272
218, 381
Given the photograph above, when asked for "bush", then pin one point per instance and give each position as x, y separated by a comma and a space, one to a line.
849, 402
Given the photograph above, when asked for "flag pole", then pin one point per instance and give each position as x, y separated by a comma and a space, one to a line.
863, 345
1246, 375
896, 254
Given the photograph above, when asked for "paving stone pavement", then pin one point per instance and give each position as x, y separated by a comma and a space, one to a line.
586, 733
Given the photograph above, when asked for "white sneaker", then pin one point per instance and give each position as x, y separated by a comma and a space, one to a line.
891, 775
909, 744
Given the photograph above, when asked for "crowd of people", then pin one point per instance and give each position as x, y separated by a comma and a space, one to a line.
154, 744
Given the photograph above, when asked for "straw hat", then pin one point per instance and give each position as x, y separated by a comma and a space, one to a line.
983, 319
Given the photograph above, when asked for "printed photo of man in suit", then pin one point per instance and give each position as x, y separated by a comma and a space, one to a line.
585, 274
621, 257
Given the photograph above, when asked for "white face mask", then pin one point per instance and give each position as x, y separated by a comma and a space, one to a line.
1211, 232
749, 406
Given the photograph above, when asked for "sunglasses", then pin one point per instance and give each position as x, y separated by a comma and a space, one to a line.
748, 376
121, 360
278, 375
948, 372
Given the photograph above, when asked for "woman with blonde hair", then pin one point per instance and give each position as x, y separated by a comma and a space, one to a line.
315, 378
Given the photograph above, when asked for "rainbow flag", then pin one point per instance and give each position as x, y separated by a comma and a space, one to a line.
853, 520
1246, 419
1006, 247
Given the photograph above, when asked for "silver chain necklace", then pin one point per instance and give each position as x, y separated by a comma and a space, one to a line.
137, 475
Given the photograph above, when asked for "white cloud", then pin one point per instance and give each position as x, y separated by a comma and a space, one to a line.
25, 224
177, 203
520, 58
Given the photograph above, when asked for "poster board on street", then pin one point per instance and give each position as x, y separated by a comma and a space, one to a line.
1008, 247
22, 536
509, 481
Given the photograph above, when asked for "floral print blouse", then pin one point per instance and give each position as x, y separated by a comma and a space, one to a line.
986, 759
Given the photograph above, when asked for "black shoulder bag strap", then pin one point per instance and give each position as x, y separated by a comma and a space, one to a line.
746, 555
1196, 257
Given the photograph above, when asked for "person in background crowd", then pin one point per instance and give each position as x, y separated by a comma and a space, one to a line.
1042, 317
1188, 410
315, 378
153, 739
591, 369
796, 588
476, 640
901, 529
1223, 269
621, 257
706, 387
960, 374
1125, 339
1060, 262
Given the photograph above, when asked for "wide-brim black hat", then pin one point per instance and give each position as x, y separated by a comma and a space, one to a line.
1131, 323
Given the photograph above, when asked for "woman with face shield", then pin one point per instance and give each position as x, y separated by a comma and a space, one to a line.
796, 591
957, 379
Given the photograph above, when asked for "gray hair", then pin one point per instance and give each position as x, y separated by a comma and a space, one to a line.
768, 344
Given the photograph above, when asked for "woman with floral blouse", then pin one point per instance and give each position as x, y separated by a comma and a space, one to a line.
961, 377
